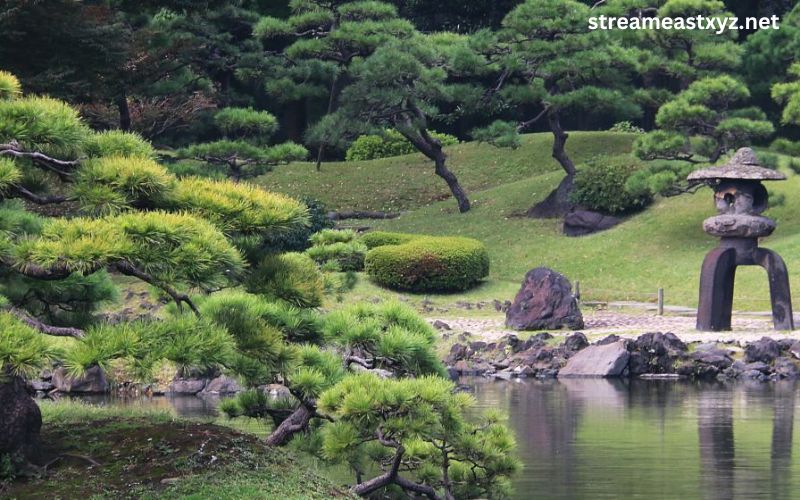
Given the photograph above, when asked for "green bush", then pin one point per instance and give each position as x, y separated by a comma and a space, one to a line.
376, 239
347, 256
245, 122
429, 264
9, 86
601, 185
390, 143
626, 127
292, 277
331, 236
786, 147
299, 239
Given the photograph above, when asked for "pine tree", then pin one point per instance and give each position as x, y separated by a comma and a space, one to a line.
322, 40
547, 59
127, 216
243, 148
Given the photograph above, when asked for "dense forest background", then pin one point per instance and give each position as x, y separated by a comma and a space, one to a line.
160, 68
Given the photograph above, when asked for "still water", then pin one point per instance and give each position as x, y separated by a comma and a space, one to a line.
590, 438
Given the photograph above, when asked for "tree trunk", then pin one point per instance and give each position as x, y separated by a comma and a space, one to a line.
331, 107
385, 479
124, 112
235, 171
557, 203
559, 142
452, 182
297, 421
20, 420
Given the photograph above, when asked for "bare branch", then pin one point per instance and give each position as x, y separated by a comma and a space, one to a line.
56, 331
128, 269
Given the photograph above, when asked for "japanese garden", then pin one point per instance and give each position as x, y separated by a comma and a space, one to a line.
399, 249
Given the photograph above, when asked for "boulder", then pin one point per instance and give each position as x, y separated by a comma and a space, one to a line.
544, 302
92, 381
223, 385
786, 368
608, 340
607, 360
576, 342
583, 222
764, 350
187, 385
441, 325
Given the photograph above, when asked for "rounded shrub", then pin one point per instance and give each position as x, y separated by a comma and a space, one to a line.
429, 264
601, 185
376, 239
335, 249
245, 122
390, 143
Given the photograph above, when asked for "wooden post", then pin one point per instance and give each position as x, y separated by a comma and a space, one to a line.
577, 290
660, 301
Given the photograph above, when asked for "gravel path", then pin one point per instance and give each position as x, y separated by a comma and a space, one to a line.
599, 323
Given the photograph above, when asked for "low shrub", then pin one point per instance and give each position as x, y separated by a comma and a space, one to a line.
292, 277
390, 143
626, 127
785, 146
601, 185
429, 264
337, 250
376, 239
346, 256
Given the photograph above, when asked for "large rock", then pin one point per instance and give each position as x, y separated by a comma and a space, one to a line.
544, 302
187, 385
223, 385
607, 360
91, 382
20, 420
582, 222
764, 350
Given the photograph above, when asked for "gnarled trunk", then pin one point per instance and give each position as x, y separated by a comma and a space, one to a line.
452, 182
557, 203
20, 420
296, 422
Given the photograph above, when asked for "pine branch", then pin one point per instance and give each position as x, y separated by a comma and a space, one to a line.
56, 331
128, 269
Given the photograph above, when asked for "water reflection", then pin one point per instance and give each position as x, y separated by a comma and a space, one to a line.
595, 439
649, 439
181, 406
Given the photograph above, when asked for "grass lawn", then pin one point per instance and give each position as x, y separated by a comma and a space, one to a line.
150, 454
661, 247
406, 182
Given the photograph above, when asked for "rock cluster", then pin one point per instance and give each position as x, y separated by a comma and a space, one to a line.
652, 355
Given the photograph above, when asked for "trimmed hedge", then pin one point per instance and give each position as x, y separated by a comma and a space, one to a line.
376, 239
427, 263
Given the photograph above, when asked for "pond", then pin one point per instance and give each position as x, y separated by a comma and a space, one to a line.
594, 438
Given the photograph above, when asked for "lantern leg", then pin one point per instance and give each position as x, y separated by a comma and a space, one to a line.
716, 290
779, 292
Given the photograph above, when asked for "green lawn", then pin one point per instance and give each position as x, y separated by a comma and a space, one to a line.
406, 182
128, 452
661, 247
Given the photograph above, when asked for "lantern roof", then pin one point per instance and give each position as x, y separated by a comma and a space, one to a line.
743, 165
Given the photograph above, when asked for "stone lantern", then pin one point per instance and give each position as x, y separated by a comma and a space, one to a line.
740, 198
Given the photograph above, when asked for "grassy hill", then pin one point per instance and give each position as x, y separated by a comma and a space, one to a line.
406, 182
661, 247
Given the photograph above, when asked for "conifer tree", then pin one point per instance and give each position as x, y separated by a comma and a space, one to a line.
127, 216
243, 148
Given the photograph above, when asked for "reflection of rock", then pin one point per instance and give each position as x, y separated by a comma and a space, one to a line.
544, 302
92, 381
607, 360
